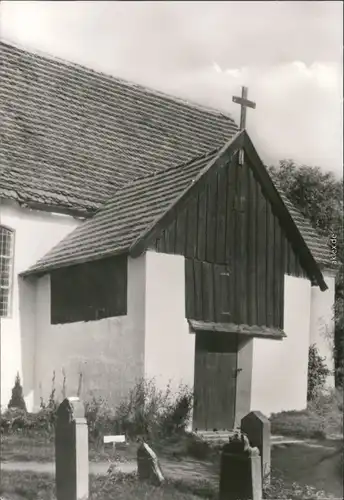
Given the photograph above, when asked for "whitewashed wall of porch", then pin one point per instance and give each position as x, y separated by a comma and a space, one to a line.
109, 353
279, 373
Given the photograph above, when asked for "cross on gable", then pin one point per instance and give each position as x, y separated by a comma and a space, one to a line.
244, 103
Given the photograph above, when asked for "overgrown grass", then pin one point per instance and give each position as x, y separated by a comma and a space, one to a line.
30, 486
323, 417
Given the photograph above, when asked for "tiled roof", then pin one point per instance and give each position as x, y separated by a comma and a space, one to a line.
125, 217
317, 244
134, 208
71, 136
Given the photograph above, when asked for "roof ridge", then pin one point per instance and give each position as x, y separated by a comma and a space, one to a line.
119, 80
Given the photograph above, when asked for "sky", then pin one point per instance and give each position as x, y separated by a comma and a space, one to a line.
289, 54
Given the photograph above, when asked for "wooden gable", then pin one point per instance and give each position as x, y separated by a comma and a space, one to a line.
236, 249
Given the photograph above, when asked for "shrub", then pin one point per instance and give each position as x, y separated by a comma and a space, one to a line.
317, 373
150, 412
279, 489
176, 416
17, 399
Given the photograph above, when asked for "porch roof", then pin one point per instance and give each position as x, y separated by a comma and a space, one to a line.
242, 329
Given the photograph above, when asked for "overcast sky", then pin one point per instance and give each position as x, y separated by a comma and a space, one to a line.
289, 54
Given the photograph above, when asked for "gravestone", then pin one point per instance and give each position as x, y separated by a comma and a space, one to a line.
148, 467
240, 472
71, 451
256, 426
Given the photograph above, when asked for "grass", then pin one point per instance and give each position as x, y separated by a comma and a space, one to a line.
40, 448
30, 486
322, 418
320, 467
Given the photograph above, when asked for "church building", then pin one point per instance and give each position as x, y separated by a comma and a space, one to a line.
142, 236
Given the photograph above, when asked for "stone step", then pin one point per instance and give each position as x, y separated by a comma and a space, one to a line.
214, 436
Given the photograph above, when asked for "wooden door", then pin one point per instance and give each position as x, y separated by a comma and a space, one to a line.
215, 381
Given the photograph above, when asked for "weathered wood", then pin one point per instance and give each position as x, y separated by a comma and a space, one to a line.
171, 236
208, 291
215, 384
89, 291
211, 219
181, 232
202, 225
247, 237
261, 258
198, 286
221, 216
270, 255
253, 331
231, 179
278, 275
284, 216
244, 239
190, 296
252, 249
226, 300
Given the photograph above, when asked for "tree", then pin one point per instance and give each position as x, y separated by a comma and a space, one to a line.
17, 399
319, 197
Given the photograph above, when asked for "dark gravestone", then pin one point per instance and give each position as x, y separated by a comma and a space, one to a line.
71, 451
148, 467
240, 473
256, 426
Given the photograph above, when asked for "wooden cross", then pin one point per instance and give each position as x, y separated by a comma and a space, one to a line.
244, 103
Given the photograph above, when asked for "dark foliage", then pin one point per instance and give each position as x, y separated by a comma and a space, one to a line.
17, 398
319, 197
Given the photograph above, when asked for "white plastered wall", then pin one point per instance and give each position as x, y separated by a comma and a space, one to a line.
36, 232
279, 375
169, 345
109, 353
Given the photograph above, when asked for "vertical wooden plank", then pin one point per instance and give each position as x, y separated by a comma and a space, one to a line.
232, 238
198, 289
278, 275
283, 259
189, 289
227, 301
217, 292
292, 260
202, 224
208, 313
243, 243
162, 242
181, 232
261, 257
236, 249
252, 249
211, 218
270, 255
221, 215
231, 168
192, 224
171, 247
